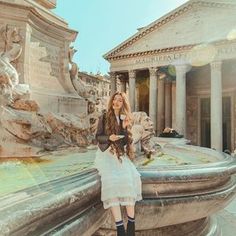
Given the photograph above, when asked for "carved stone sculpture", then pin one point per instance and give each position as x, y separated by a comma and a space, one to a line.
12, 49
84, 90
10, 89
47, 131
143, 131
23, 130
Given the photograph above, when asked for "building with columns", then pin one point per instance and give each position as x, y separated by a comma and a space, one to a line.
180, 69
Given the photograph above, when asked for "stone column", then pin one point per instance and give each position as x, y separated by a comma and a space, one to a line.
173, 103
160, 105
216, 105
123, 86
113, 82
136, 98
132, 87
153, 96
181, 71
168, 104
123, 83
118, 83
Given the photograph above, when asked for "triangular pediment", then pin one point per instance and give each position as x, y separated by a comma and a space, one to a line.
193, 23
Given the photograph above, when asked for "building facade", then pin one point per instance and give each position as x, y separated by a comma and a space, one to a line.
180, 69
101, 83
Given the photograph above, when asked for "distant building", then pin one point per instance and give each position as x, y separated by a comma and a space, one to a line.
101, 83
102, 87
181, 71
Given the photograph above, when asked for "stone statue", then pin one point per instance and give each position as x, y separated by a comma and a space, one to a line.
9, 78
84, 90
20, 118
143, 131
74, 67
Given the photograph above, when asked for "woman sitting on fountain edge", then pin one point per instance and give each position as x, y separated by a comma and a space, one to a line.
120, 181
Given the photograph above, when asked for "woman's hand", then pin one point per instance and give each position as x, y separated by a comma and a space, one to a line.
114, 137
126, 122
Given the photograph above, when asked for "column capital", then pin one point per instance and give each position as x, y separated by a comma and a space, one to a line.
183, 68
153, 71
216, 65
132, 74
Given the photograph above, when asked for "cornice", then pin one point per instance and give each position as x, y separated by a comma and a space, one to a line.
41, 19
151, 52
162, 21
166, 50
47, 4
34, 4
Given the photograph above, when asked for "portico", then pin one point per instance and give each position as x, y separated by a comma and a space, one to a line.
181, 72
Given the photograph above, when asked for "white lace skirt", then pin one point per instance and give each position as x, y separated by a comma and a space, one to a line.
121, 182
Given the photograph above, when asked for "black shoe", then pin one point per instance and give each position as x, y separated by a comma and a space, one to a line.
120, 229
131, 228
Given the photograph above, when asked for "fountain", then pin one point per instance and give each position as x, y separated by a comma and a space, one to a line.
29, 125
48, 183
183, 187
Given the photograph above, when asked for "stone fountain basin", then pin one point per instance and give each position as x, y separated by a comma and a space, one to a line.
65, 206
180, 198
182, 187
195, 184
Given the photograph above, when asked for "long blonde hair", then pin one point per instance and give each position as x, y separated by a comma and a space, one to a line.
112, 128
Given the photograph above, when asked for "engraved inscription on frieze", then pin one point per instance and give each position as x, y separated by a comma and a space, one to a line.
220, 52
160, 58
231, 49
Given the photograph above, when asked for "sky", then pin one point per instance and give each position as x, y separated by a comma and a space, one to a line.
104, 24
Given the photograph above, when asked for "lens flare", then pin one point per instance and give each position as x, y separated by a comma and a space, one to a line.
171, 70
202, 54
232, 35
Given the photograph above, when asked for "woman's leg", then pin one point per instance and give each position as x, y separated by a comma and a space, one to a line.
116, 212
131, 220
130, 211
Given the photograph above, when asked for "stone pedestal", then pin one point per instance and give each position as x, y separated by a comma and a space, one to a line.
44, 61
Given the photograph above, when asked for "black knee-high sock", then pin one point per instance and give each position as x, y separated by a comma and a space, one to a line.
120, 228
131, 226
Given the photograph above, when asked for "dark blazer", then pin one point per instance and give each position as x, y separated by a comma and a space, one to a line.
103, 139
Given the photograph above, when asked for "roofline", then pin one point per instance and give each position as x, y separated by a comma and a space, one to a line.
143, 29
158, 23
